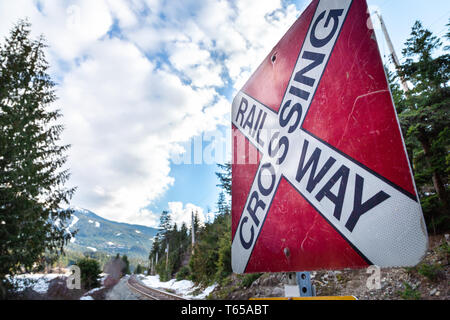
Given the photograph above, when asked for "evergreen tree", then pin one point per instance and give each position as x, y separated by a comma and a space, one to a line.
222, 207
425, 120
184, 236
211, 260
126, 268
225, 177
31, 175
138, 269
170, 246
223, 263
90, 273
195, 224
165, 223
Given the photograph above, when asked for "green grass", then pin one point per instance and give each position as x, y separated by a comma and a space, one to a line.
430, 271
409, 293
248, 279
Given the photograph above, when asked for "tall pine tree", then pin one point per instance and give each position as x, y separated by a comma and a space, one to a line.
424, 116
224, 177
31, 175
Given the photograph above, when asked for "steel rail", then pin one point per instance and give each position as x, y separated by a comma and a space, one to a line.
150, 293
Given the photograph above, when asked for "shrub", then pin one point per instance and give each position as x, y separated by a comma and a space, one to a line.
183, 273
432, 271
223, 263
410, 293
90, 273
248, 279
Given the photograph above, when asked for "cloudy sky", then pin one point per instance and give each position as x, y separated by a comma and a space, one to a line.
141, 83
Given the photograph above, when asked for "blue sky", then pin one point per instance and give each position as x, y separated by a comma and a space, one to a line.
140, 80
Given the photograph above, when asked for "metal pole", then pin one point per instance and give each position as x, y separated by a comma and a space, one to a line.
391, 49
150, 267
304, 284
192, 231
167, 254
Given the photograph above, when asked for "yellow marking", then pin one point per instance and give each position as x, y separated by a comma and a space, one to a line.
309, 298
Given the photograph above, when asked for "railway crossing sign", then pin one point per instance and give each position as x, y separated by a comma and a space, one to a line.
320, 174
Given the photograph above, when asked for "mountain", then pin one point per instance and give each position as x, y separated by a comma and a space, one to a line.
97, 234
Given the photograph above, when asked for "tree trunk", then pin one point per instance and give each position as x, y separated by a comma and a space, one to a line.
436, 177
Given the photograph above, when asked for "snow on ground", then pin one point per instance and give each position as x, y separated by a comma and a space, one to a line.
37, 282
97, 224
183, 288
92, 249
88, 295
74, 221
75, 208
137, 231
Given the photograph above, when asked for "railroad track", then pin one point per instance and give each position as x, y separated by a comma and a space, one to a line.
150, 293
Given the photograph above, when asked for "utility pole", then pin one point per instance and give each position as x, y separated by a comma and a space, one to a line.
392, 51
150, 267
167, 259
192, 231
167, 254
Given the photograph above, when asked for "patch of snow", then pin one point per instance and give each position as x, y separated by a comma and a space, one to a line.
37, 282
97, 224
183, 288
75, 208
74, 221
137, 231
118, 234
110, 243
72, 240
206, 292
94, 290
93, 249
88, 295
90, 221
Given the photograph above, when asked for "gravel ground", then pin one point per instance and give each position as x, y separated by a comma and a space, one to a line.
427, 281
121, 291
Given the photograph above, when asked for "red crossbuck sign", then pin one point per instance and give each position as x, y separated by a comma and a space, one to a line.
320, 175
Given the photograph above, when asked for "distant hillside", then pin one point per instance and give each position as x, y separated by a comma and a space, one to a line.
97, 234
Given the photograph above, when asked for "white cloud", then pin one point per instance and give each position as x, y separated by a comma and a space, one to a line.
131, 99
116, 99
180, 213
123, 11
188, 54
69, 27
